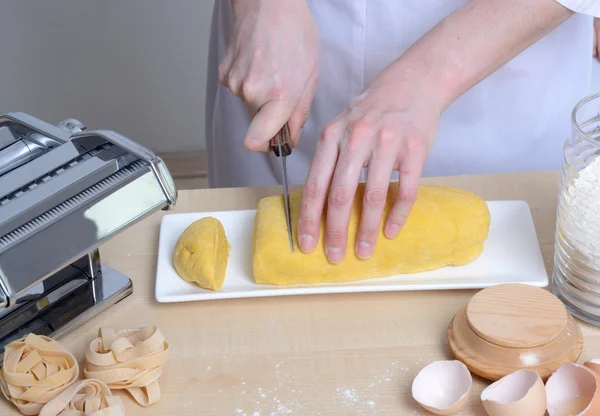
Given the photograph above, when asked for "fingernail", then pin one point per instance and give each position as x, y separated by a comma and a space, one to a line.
334, 254
306, 242
363, 250
392, 230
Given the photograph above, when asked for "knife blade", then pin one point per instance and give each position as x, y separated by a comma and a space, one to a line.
282, 148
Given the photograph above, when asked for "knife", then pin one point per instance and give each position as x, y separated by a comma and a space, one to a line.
282, 147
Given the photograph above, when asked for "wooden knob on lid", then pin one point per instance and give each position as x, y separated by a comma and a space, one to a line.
508, 327
517, 316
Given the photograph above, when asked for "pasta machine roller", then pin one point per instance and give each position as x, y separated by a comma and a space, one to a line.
64, 190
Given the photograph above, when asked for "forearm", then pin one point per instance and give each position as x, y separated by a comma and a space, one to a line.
473, 42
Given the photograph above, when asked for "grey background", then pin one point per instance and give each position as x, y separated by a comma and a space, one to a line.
134, 66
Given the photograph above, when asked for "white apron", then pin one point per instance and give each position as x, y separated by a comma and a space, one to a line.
515, 120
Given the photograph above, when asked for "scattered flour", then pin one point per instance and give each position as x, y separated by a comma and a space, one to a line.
363, 400
388, 374
356, 400
283, 410
267, 400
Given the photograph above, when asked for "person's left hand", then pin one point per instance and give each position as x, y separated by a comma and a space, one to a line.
390, 127
596, 37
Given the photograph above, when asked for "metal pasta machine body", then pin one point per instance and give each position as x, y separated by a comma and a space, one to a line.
64, 190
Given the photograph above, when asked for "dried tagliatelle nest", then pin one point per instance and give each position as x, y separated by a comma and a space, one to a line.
86, 397
129, 359
35, 370
38, 374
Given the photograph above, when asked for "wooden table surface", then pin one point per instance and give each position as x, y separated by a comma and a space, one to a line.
345, 354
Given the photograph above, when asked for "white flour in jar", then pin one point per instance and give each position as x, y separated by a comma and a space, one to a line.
581, 216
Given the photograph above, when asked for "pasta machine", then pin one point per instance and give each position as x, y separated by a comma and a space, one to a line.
64, 190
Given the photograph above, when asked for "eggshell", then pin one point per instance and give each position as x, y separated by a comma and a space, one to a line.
518, 393
593, 365
443, 387
573, 391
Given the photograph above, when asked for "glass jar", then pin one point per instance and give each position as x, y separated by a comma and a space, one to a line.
576, 276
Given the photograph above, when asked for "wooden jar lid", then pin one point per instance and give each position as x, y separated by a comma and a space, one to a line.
508, 327
517, 316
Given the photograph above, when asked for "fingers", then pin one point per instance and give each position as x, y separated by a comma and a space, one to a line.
300, 115
225, 66
232, 70
408, 188
272, 98
316, 187
268, 112
267, 122
381, 166
353, 149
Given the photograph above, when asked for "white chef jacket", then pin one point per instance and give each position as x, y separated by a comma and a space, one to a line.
517, 119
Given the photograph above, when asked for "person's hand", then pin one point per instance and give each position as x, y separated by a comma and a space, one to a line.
390, 127
596, 37
271, 63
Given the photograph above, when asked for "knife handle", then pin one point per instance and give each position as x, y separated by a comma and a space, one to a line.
286, 144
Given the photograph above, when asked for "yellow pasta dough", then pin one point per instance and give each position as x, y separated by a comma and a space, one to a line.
447, 226
202, 252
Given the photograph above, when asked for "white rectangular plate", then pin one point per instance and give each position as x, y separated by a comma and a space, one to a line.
511, 255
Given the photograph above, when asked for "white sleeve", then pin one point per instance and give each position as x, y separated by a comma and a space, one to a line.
590, 7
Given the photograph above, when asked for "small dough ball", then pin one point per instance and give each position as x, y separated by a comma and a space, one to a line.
202, 252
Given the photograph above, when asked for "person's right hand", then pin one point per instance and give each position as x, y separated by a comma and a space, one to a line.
271, 63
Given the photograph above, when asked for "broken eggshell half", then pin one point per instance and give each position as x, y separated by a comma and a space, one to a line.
443, 387
573, 391
518, 393
593, 365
